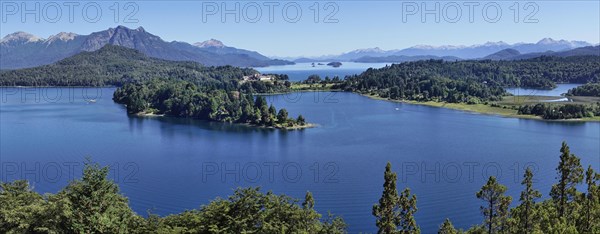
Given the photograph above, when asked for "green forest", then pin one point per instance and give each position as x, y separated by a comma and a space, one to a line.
561, 111
189, 89
184, 99
480, 82
94, 204
117, 66
590, 89
471, 80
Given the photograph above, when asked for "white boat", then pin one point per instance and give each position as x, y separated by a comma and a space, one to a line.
91, 101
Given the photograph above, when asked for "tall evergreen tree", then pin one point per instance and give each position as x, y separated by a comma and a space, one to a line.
590, 203
527, 206
493, 194
503, 214
447, 228
282, 115
386, 212
408, 208
311, 217
570, 173
300, 120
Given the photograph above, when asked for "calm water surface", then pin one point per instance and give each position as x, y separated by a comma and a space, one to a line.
558, 91
170, 165
301, 71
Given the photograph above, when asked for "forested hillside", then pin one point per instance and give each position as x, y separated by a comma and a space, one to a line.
464, 81
115, 66
591, 89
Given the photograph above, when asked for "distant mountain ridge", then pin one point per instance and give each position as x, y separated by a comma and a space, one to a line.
116, 65
512, 54
449, 51
21, 50
402, 58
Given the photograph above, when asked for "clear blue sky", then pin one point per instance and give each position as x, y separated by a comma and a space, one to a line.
361, 24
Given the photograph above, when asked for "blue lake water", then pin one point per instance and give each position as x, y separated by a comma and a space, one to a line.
170, 165
301, 71
558, 91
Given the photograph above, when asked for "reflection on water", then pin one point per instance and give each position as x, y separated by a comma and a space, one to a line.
557, 92
301, 71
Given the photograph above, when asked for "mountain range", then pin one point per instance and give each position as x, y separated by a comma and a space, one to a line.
513, 54
448, 52
22, 50
115, 65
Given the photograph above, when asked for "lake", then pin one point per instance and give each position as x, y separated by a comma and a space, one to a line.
557, 92
301, 71
169, 165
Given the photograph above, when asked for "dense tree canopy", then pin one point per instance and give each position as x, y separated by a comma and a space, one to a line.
94, 204
469, 81
185, 99
590, 89
560, 111
115, 66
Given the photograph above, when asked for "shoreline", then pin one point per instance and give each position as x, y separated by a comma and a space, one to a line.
489, 110
472, 108
297, 127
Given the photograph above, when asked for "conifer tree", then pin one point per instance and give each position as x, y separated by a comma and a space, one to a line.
528, 197
570, 173
493, 194
447, 228
590, 203
386, 212
408, 208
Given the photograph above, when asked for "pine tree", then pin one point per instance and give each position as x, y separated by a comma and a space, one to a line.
447, 228
310, 219
528, 197
309, 201
493, 194
282, 116
570, 173
590, 203
386, 212
300, 120
503, 214
408, 208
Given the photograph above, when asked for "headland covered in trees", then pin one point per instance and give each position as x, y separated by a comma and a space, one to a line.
479, 85
94, 204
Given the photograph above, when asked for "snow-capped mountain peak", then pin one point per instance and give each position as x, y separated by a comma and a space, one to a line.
62, 36
210, 43
20, 36
368, 50
546, 41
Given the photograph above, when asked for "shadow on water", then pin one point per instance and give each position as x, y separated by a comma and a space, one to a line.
167, 123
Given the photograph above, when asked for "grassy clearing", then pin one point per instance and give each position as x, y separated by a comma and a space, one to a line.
505, 109
310, 87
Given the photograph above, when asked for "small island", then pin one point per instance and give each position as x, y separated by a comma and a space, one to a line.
334, 64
